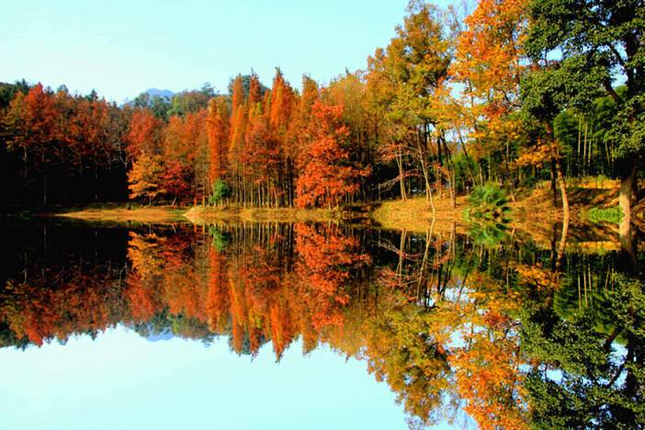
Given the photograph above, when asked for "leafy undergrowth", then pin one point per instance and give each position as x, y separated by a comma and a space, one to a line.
487, 215
487, 204
613, 215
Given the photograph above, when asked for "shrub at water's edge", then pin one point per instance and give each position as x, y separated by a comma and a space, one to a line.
487, 203
613, 215
487, 214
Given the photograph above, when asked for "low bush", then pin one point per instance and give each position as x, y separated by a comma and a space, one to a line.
487, 203
612, 215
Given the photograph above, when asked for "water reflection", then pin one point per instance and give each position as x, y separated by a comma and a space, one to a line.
510, 333
122, 381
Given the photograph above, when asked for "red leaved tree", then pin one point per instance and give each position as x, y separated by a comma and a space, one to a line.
326, 174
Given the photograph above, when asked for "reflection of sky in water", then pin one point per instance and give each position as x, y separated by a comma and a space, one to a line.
123, 381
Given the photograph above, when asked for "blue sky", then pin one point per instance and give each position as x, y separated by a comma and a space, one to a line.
123, 47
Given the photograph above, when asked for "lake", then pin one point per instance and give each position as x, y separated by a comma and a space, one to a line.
278, 325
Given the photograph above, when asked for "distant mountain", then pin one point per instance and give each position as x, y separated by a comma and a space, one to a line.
154, 92
151, 94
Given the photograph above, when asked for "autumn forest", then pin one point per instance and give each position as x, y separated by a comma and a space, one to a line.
454, 230
452, 102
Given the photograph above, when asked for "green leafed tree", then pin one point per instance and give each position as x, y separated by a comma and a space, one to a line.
590, 46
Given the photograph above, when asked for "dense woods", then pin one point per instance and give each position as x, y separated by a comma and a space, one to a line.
513, 92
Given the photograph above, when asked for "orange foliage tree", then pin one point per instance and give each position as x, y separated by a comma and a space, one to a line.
326, 175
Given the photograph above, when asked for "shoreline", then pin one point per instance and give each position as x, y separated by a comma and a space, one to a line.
538, 226
533, 212
534, 216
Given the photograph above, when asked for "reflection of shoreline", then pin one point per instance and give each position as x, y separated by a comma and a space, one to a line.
122, 213
528, 223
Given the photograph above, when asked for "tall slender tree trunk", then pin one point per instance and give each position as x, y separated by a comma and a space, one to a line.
566, 213
468, 162
453, 189
628, 188
426, 177
399, 267
509, 172
399, 163
429, 197
626, 198
554, 191
451, 172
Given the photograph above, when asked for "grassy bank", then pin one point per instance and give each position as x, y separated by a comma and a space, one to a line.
534, 215
415, 214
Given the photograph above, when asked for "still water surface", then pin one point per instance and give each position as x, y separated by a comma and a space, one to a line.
315, 326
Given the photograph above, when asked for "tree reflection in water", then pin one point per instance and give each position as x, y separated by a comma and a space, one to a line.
513, 334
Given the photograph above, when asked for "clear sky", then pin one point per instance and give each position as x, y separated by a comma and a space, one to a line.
123, 47
122, 381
